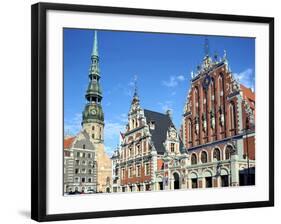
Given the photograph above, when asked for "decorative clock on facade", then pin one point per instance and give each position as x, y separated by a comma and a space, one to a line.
206, 81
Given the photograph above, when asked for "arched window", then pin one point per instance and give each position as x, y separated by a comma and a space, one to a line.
217, 154
203, 157
231, 116
196, 100
212, 91
228, 149
193, 159
220, 90
189, 130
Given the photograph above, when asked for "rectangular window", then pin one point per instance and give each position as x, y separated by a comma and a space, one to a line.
138, 149
131, 152
224, 181
77, 154
208, 181
130, 172
123, 173
138, 171
194, 183
89, 155
83, 179
77, 162
172, 147
146, 170
76, 171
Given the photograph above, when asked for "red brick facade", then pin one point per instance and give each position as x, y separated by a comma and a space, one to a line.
218, 105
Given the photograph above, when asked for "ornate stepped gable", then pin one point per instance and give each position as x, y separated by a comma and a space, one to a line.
146, 140
218, 128
217, 104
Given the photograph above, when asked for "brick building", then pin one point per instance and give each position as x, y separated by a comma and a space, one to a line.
218, 128
150, 137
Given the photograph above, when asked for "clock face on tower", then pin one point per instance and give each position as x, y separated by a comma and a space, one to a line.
93, 112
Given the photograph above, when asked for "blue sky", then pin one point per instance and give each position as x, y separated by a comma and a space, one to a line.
161, 62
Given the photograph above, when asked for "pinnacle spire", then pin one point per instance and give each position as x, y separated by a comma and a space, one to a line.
135, 84
206, 46
135, 96
95, 46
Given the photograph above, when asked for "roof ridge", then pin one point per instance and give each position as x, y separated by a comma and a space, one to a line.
156, 112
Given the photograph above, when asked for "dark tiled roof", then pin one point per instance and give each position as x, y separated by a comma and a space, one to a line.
162, 123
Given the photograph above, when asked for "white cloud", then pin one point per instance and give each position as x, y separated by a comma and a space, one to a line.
166, 105
131, 83
173, 81
181, 78
73, 126
112, 130
246, 77
112, 135
124, 118
110, 150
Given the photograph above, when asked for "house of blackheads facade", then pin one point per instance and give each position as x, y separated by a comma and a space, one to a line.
215, 146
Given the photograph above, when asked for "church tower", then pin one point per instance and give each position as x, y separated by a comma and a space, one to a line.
93, 117
93, 122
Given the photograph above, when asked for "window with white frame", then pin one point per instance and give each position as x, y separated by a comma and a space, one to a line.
130, 174
146, 169
172, 147
138, 174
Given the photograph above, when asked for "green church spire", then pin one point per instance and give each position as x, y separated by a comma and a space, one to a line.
95, 51
93, 110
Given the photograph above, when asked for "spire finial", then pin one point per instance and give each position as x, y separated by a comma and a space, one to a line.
135, 84
206, 46
95, 47
224, 55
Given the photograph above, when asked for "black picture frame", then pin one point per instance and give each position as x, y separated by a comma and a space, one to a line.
39, 114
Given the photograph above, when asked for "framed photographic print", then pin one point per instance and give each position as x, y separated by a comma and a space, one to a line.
139, 111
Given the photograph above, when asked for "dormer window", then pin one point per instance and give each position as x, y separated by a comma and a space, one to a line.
152, 125
172, 147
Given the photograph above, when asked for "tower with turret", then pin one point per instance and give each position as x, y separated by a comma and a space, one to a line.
89, 165
93, 117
